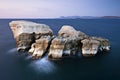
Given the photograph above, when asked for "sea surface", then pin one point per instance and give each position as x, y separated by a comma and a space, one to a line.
20, 66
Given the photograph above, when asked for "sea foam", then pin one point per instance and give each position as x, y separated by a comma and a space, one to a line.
13, 50
43, 65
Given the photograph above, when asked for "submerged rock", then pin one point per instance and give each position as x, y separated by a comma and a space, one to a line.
91, 45
25, 33
66, 43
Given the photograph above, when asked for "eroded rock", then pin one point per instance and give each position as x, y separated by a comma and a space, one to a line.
67, 43
91, 46
39, 39
69, 32
56, 48
104, 43
25, 33
24, 41
40, 47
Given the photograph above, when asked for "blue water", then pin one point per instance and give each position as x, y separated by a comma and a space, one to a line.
16, 66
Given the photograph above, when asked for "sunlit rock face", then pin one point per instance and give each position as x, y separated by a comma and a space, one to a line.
104, 43
39, 39
69, 32
40, 47
66, 43
26, 33
91, 46
56, 48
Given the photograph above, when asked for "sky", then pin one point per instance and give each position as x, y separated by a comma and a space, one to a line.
57, 8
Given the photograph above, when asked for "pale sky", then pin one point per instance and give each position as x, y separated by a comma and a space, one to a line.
57, 8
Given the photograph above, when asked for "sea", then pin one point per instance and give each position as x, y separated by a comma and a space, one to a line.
104, 66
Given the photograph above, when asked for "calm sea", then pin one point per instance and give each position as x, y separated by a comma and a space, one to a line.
19, 66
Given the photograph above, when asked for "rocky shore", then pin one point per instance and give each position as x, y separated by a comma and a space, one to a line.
39, 39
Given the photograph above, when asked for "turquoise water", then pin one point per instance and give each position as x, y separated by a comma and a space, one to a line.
16, 66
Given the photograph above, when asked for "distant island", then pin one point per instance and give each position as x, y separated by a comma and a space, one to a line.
111, 17
90, 17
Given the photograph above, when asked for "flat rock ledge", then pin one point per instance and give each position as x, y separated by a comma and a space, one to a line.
38, 39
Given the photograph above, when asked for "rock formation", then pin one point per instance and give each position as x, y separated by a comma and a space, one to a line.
40, 47
38, 39
26, 33
104, 43
91, 45
67, 43
56, 48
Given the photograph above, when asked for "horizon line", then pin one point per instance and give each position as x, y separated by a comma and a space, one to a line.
55, 17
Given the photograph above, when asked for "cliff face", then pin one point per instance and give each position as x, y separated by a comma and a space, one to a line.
93, 44
104, 43
39, 39
26, 33
90, 47
56, 48
66, 43
40, 46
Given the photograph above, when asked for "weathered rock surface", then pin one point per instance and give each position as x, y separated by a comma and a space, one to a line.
91, 45
39, 39
40, 47
69, 32
104, 43
25, 33
56, 48
67, 43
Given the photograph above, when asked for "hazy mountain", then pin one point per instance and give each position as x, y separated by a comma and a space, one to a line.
111, 17
90, 17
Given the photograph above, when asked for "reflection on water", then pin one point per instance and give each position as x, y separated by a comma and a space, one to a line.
43, 65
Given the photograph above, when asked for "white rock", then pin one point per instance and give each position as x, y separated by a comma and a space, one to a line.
66, 43
26, 32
